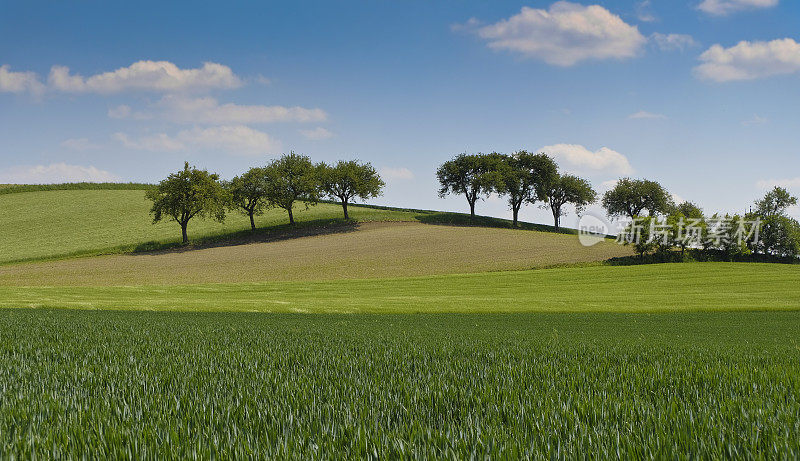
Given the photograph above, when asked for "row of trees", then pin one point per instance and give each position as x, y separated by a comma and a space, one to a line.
526, 178
522, 177
282, 183
772, 230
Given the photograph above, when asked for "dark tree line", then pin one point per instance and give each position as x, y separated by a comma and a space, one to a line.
282, 183
522, 177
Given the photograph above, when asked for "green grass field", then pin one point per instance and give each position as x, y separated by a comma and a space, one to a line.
390, 336
646, 288
237, 385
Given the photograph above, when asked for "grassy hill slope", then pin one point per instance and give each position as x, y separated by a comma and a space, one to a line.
52, 224
87, 220
368, 250
647, 288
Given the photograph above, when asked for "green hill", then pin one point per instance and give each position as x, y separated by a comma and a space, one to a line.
58, 221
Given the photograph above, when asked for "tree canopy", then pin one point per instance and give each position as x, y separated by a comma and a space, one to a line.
566, 188
290, 179
630, 197
348, 180
248, 193
186, 194
468, 174
523, 177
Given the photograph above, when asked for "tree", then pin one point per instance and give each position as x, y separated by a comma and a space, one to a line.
522, 176
186, 194
466, 174
248, 193
775, 202
779, 234
290, 179
632, 196
564, 189
683, 215
348, 180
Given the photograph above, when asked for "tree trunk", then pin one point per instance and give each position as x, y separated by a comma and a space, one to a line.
184, 232
252, 221
344, 206
556, 217
515, 212
291, 216
472, 209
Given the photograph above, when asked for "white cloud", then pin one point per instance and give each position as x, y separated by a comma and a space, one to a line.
789, 183
55, 173
317, 134
121, 111
643, 12
208, 110
673, 42
153, 143
725, 7
677, 199
565, 34
400, 173
644, 115
19, 82
608, 185
79, 144
580, 160
235, 140
756, 120
147, 76
749, 60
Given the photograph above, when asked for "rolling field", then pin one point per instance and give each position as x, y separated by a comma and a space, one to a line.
53, 224
384, 337
368, 250
646, 288
133, 384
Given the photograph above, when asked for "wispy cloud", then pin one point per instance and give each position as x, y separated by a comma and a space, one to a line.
726, 7
317, 134
233, 140
55, 173
79, 144
644, 115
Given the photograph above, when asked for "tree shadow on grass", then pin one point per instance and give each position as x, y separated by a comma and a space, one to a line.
310, 228
464, 220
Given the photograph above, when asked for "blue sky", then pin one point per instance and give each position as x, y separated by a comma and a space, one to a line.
700, 95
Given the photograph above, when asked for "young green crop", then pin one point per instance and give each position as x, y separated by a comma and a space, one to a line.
131, 384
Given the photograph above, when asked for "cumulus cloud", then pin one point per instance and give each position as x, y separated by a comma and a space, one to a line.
55, 173
235, 140
400, 173
208, 110
316, 134
19, 82
565, 34
79, 144
749, 60
580, 160
644, 115
725, 7
673, 42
